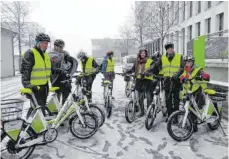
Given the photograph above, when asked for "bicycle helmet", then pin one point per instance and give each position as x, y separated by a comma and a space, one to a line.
189, 58
81, 55
42, 37
59, 42
110, 52
169, 45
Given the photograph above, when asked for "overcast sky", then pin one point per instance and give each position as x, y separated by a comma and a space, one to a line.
77, 21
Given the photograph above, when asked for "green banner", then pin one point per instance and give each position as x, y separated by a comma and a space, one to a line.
199, 51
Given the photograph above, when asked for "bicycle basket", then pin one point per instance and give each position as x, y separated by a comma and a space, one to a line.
11, 109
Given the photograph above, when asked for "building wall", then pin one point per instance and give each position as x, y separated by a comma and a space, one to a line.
7, 59
179, 33
212, 12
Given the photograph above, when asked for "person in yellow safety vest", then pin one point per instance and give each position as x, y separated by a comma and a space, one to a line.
108, 67
199, 81
171, 66
36, 69
144, 83
89, 66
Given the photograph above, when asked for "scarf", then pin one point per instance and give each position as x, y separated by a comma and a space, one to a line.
140, 65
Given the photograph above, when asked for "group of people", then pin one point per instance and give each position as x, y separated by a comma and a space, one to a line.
175, 69
39, 67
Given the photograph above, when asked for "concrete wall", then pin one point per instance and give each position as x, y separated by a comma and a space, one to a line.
7, 59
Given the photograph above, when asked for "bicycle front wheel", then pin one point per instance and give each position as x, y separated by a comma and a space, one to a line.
84, 131
175, 129
130, 112
150, 117
108, 106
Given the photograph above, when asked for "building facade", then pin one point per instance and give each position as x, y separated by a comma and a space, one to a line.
196, 18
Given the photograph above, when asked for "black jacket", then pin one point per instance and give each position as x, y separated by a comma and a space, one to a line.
27, 66
94, 64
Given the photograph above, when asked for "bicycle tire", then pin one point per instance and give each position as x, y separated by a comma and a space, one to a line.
108, 107
131, 103
30, 150
102, 114
150, 115
79, 134
169, 126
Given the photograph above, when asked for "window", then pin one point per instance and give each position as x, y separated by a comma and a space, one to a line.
220, 22
209, 4
190, 32
198, 29
190, 9
183, 11
208, 25
199, 6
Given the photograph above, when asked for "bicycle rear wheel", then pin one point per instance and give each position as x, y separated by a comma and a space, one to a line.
84, 132
8, 149
99, 113
150, 117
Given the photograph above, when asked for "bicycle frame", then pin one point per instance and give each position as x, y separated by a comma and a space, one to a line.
202, 114
38, 123
83, 92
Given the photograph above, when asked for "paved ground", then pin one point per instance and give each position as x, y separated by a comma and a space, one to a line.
119, 139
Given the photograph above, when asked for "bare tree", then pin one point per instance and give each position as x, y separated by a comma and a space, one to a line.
162, 16
126, 39
140, 20
14, 14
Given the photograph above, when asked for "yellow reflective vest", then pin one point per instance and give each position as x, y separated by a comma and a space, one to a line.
196, 83
147, 66
88, 67
41, 70
110, 65
170, 68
